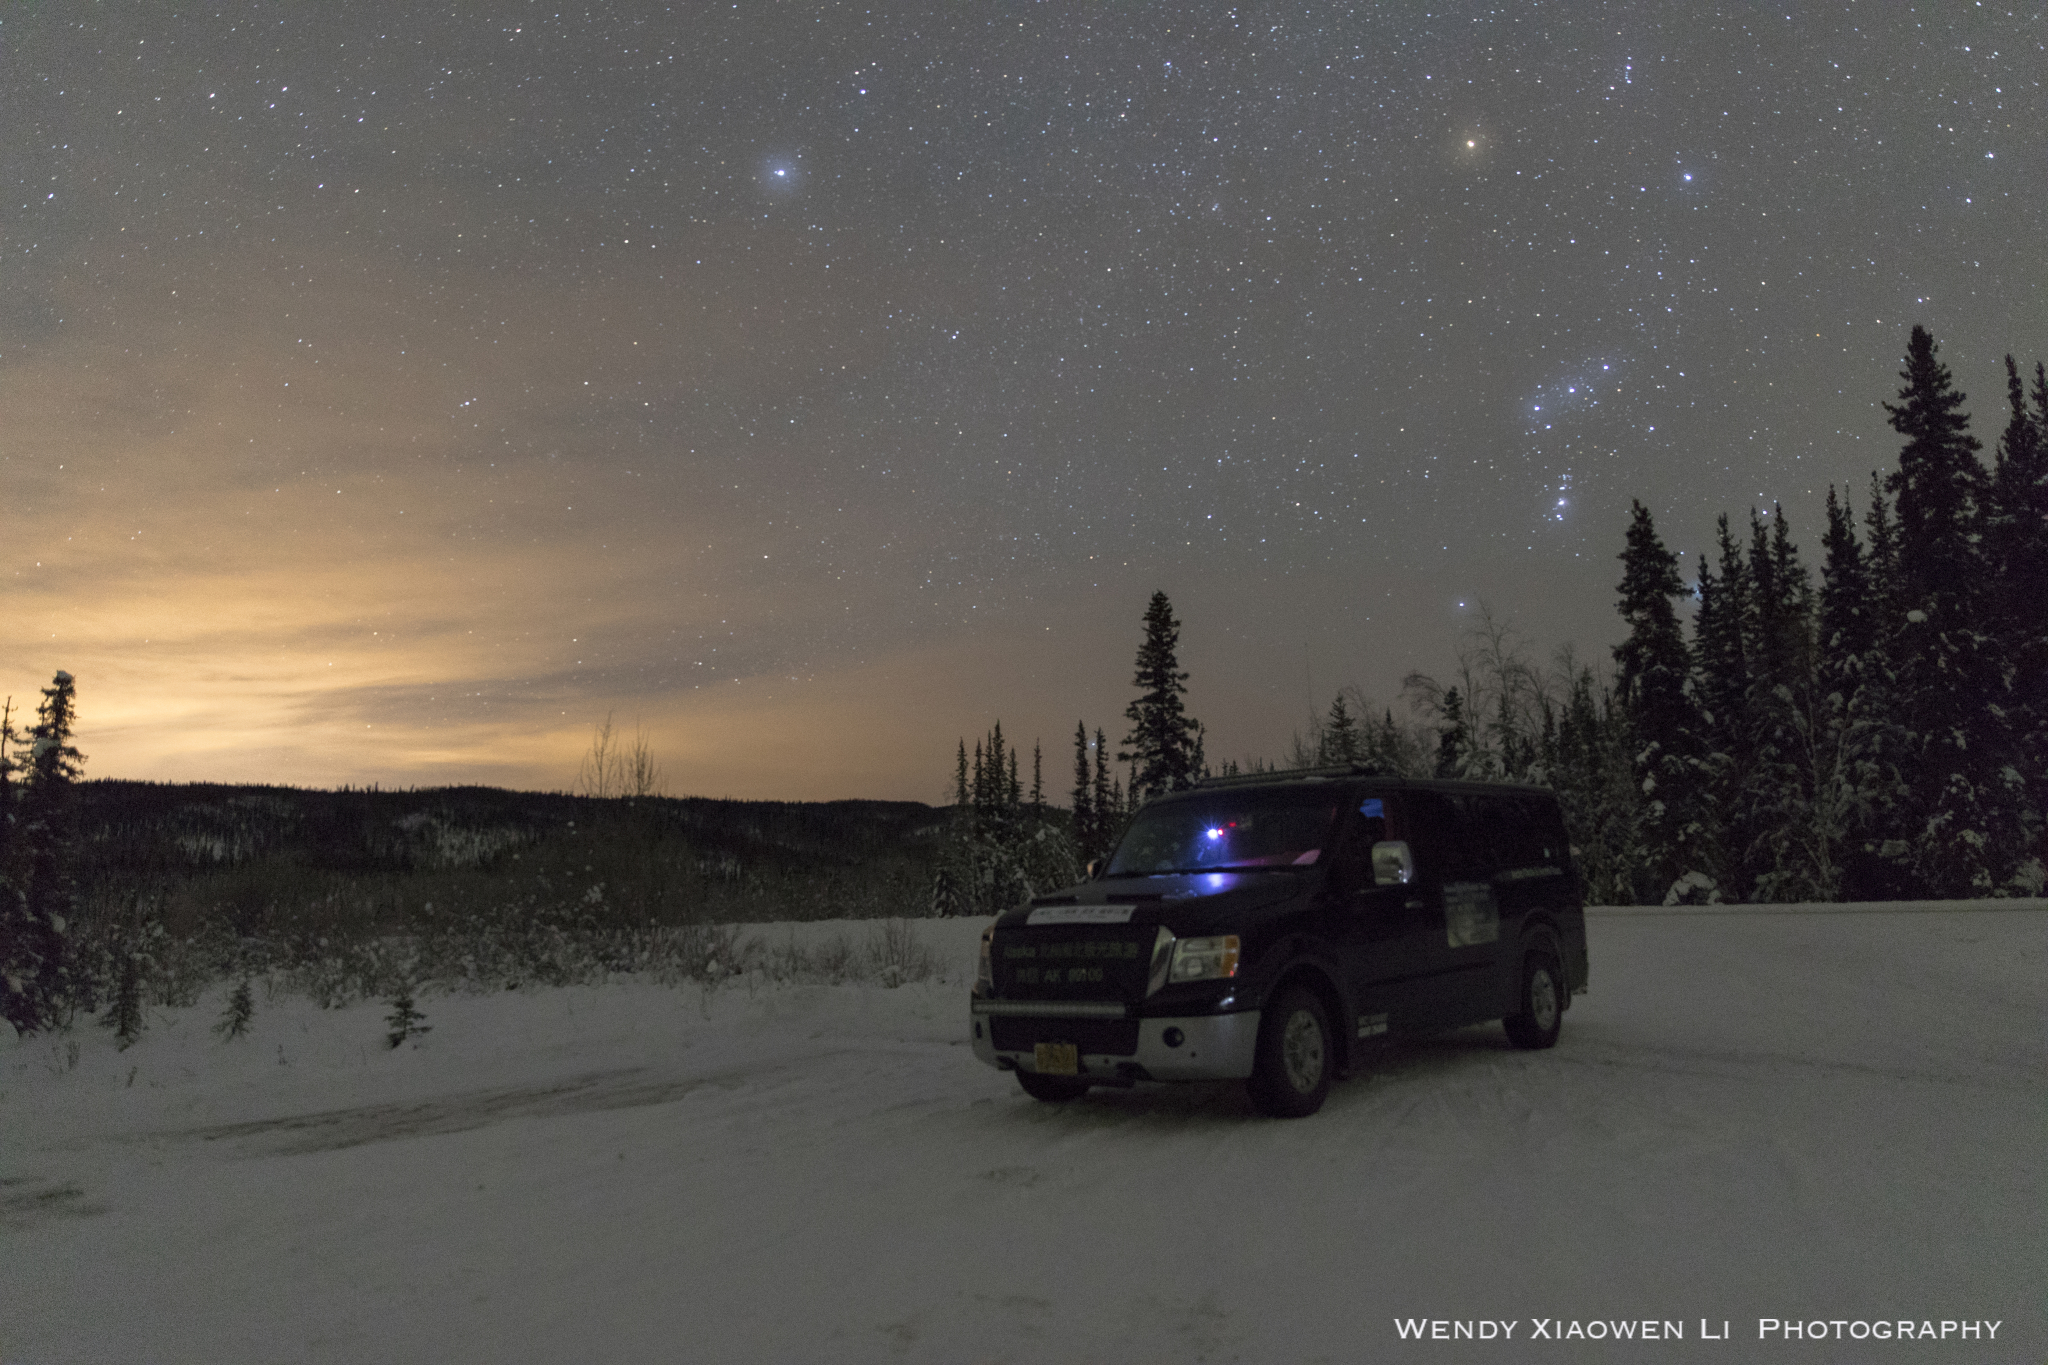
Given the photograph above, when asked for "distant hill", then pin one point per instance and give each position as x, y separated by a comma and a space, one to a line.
256, 855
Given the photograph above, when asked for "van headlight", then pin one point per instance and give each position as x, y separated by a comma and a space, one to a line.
1204, 959
984, 967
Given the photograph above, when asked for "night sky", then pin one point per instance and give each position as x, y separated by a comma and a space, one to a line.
389, 392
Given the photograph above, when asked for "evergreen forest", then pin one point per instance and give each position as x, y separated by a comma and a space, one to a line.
1880, 733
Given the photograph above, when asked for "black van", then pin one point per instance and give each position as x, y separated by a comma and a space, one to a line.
1264, 928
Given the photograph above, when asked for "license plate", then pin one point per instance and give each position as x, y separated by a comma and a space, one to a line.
1056, 1059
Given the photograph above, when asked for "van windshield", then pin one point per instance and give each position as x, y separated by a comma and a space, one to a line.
1229, 830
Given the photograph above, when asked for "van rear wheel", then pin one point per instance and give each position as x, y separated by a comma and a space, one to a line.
1536, 1023
1291, 1076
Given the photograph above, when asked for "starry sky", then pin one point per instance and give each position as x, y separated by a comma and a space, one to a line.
388, 392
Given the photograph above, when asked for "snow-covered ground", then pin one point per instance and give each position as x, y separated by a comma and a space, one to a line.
1832, 1116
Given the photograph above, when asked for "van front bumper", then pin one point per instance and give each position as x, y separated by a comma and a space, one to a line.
1207, 1047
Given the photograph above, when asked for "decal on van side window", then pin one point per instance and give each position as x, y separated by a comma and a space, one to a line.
1471, 915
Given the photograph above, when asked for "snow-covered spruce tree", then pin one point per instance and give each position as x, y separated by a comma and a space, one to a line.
1454, 738
39, 985
1762, 775
1587, 758
1161, 746
1719, 684
1853, 689
1794, 835
1847, 630
1954, 689
998, 850
236, 1017
1875, 746
2016, 545
15, 932
1651, 667
949, 897
124, 1015
405, 1020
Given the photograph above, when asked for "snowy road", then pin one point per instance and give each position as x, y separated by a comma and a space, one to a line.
1823, 1116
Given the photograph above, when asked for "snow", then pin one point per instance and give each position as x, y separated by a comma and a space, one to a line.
1758, 1112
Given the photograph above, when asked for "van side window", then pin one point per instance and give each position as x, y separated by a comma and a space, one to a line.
1525, 831
1486, 830
1366, 827
1439, 830
1547, 835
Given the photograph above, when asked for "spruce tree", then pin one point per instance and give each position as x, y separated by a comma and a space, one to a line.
1877, 750
1596, 787
1966, 808
1341, 743
125, 1016
37, 975
1846, 628
405, 1020
240, 1010
1161, 744
1084, 797
1385, 746
1108, 802
1453, 738
16, 932
1720, 685
1882, 547
1937, 488
2016, 544
1854, 682
1788, 854
980, 786
1652, 665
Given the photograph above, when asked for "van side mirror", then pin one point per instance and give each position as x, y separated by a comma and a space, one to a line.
1094, 868
1392, 863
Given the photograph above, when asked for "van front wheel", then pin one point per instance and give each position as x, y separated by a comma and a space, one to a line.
1536, 1023
1291, 1076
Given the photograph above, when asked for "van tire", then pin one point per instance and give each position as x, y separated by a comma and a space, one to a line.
1296, 1056
1051, 1089
1541, 999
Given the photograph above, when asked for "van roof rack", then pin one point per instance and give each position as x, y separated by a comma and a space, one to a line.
1291, 775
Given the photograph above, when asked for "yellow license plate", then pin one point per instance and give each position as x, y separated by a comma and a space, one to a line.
1056, 1059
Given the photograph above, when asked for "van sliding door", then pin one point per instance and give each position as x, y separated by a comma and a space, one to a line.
1459, 936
